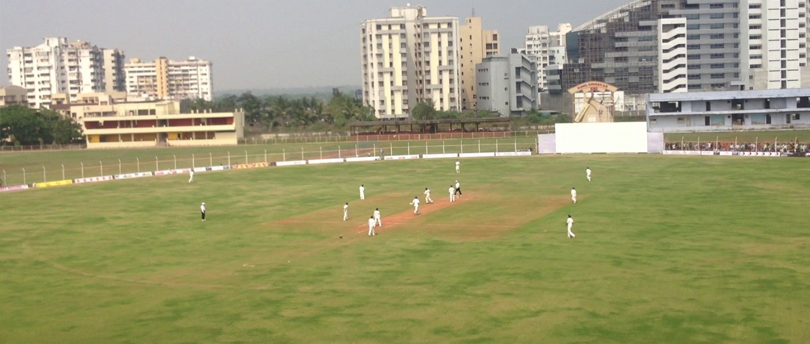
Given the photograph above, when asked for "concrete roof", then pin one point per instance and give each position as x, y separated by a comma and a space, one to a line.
725, 95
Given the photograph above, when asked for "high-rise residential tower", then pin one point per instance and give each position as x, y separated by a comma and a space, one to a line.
168, 79
475, 44
409, 58
59, 66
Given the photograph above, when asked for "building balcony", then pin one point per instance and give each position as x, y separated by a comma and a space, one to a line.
162, 129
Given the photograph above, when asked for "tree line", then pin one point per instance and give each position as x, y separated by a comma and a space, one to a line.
282, 112
20, 125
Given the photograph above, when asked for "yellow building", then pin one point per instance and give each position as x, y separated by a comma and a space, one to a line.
475, 44
110, 121
13, 95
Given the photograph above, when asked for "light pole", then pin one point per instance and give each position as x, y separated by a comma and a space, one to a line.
82, 170
157, 166
100, 168
63, 171
139, 165
119, 166
175, 161
44, 175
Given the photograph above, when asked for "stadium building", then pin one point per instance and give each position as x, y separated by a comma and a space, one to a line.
109, 120
728, 110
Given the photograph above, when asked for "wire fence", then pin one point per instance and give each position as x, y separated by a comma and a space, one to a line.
84, 167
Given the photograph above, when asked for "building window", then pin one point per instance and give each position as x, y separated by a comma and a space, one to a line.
716, 16
717, 36
717, 75
717, 26
717, 46
717, 65
717, 56
681, 120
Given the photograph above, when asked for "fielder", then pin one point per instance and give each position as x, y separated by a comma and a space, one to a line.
452, 193
202, 210
346, 211
427, 196
371, 226
458, 166
574, 195
362, 192
415, 203
190, 175
377, 219
458, 188
570, 223
588, 173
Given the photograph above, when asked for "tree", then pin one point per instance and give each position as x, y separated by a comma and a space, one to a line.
30, 126
424, 110
252, 106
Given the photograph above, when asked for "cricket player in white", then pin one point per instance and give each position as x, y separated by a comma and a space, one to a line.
570, 223
346, 211
362, 192
574, 195
190, 175
377, 219
427, 196
452, 193
458, 166
458, 188
371, 223
588, 173
202, 210
415, 203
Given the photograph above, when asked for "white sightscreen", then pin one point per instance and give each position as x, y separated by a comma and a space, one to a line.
629, 137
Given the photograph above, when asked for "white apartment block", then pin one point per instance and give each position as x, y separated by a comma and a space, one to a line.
775, 45
547, 48
170, 80
672, 61
409, 58
58, 66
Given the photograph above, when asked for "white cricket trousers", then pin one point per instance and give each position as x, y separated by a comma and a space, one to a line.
378, 221
574, 199
190, 178
452, 197
428, 199
345, 215
570, 233
362, 195
416, 209
371, 229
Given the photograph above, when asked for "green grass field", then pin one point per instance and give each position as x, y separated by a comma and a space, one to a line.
668, 250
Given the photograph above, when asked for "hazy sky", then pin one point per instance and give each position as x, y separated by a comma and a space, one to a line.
259, 43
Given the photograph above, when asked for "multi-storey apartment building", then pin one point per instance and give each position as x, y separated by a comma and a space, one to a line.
409, 58
475, 44
507, 84
13, 95
547, 48
753, 44
634, 47
168, 79
59, 66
